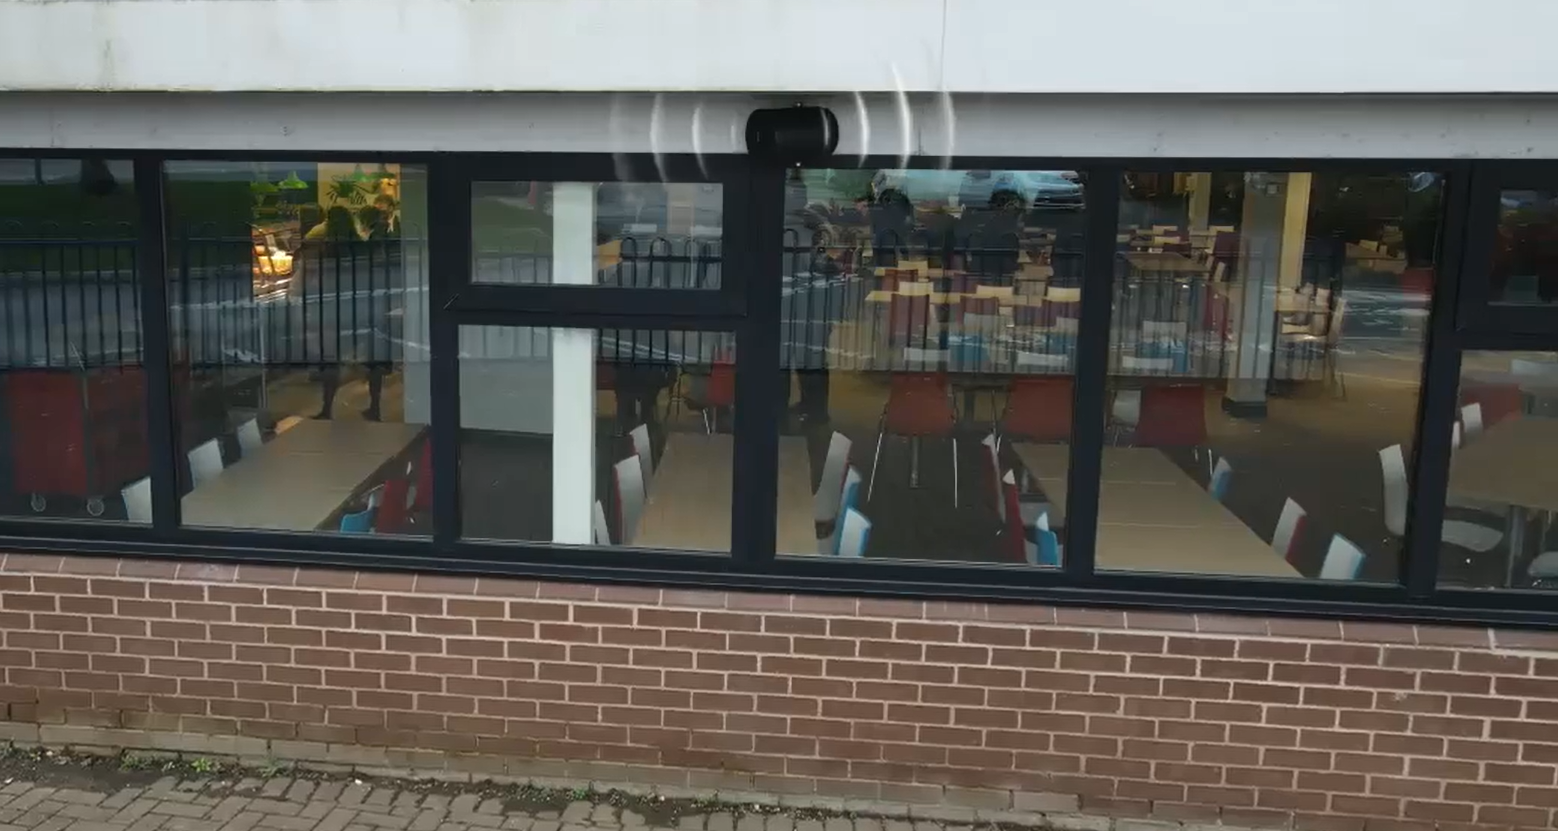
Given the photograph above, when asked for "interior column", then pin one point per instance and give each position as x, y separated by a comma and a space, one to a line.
573, 369
1253, 293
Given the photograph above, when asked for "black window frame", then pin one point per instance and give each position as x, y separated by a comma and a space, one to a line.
747, 303
1478, 313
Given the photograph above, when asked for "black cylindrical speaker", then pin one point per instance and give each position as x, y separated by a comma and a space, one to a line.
793, 135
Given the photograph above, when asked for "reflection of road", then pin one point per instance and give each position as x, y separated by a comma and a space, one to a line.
68, 324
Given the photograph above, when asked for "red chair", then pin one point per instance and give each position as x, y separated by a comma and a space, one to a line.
1498, 401
890, 279
423, 501
918, 406
719, 391
1014, 548
970, 305
391, 516
1038, 409
909, 319
1172, 416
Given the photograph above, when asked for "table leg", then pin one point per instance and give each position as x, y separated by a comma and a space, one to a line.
1517, 542
914, 461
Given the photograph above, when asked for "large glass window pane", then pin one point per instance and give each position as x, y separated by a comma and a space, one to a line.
73, 440
1525, 251
1264, 362
298, 314
646, 234
600, 437
1503, 489
928, 341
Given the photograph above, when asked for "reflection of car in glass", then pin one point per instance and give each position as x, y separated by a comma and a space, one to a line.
1038, 188
646, 210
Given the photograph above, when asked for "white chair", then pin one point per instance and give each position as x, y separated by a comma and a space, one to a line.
205, 463
629, 475
598, 519
854, 532
1343, 560
1288, 525
825, 502
1393, 468
249, 439
137, 501
1135, 364
644, 451
1471, 418
1221, 474
1455, 436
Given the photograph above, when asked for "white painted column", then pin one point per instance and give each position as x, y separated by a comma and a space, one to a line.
1255, 292
1200, 201
573, 369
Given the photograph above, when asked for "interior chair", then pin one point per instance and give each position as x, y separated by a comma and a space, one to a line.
600, 530
1033, 544
849, 497
1284, 540
390, 517
1343, 560
1497, 401
249, 438
1124, 413
358, 523
644, 451
1467, 535
825, 502
854, 533
1172, 415
137, 500
719, 393
422, 494
918, 406
1471, 421
205, 462
1221, 475
990, 457
628, 481
1038, 409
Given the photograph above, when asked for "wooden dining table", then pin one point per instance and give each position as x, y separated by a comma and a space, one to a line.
689, 501
1164, 261
298, 480
1154, 517
1514, 463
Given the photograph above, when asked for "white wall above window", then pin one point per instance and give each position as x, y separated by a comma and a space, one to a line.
1106, 46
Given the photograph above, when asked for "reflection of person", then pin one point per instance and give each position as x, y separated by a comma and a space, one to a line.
638, 388
367, 342
991, 236
892, 218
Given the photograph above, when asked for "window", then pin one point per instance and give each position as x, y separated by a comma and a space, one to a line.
1503, 488
1265, 358
298, 321
927, 355
73, 440
604, 437
1186, 382
1524, 270
647, 234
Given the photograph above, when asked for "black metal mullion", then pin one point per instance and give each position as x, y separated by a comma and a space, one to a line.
449, 264
1092, 364
753, 250
1440, 381
161, 420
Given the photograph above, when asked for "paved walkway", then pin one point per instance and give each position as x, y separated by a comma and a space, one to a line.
286, 804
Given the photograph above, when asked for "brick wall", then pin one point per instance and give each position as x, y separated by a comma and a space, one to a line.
1248, 721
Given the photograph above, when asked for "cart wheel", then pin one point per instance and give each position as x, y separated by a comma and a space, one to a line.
95, 506
39, 503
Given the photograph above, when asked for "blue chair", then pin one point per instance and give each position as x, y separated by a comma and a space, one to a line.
1221, 475
1046, 543
848, 499
854, 533
358, 523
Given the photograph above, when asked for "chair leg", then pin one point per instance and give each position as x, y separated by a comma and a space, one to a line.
707, 428
954, 472
875, 458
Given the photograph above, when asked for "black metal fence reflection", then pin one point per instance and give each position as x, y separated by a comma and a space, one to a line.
628, 262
